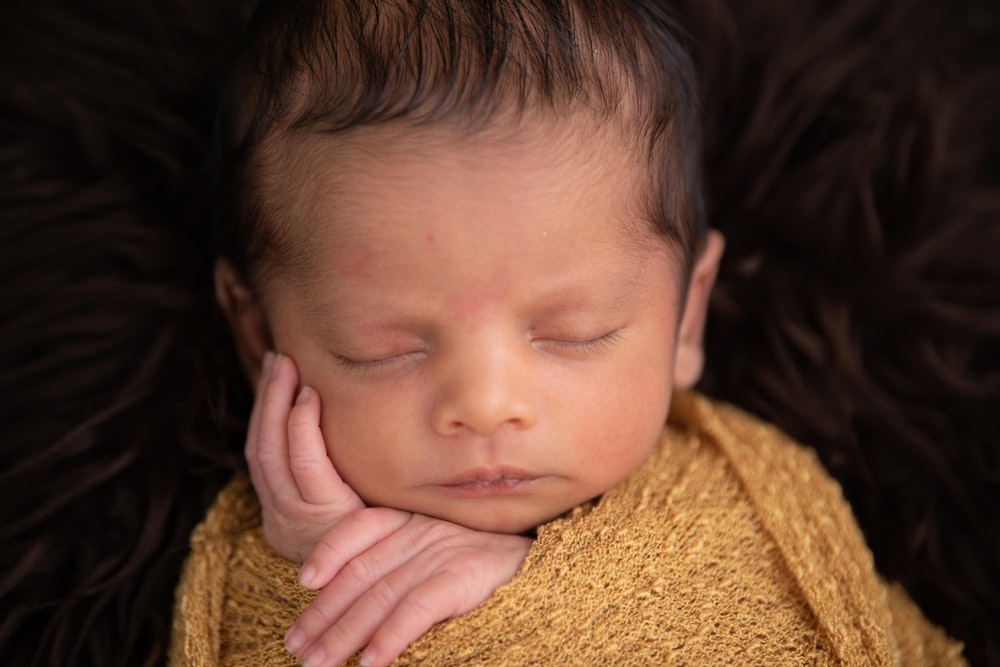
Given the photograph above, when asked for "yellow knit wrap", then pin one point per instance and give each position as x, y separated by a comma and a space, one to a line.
731, 545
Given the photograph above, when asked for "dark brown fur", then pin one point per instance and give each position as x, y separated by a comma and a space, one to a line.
854, 164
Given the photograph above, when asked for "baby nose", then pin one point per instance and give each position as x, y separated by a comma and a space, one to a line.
483, 396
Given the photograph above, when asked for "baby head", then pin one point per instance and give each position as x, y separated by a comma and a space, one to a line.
477, 227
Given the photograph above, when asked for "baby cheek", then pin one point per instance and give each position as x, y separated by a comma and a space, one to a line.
640, 416
349, 438
370, 441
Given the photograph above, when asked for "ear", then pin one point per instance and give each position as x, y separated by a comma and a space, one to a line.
246, 321
690, 354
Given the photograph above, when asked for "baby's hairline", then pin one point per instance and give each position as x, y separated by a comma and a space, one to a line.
630, 71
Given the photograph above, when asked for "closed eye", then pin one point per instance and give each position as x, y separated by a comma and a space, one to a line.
586, 345
371, 367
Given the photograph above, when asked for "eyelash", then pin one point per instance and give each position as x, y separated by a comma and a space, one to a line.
373, 366
598, 344
370, 366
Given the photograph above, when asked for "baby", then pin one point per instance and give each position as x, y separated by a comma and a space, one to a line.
474, 232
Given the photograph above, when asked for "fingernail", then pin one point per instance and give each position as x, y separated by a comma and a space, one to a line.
295, 639
304, 394
268, 364
274, 364
306, 575
367, 658
315, 658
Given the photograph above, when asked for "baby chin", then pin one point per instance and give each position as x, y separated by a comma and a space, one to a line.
511, 503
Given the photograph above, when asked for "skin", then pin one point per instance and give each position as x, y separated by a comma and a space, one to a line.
385, 576
488, 334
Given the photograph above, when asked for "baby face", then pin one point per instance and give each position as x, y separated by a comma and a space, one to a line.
489, 322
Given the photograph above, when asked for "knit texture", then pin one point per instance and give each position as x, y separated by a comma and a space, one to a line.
730, 545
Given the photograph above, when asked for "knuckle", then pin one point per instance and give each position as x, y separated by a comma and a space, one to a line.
339, 642
382, 595
422, 606
368, 520
301, 464
298, 427
269, 451
325, 555
316, 616
359, 572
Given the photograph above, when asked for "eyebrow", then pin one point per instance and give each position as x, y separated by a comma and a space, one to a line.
333, 315
575, 291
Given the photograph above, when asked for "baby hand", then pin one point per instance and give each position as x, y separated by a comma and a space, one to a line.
387, 576
301, 494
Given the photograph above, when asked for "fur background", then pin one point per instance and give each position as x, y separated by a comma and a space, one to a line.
853, 161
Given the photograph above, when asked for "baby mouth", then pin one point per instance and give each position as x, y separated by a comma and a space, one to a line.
485, 484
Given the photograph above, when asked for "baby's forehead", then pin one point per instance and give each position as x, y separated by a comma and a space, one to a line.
568, 168
564, 153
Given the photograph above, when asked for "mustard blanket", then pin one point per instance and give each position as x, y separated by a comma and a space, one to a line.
731, 545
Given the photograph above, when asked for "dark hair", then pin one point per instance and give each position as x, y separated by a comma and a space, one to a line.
326, 67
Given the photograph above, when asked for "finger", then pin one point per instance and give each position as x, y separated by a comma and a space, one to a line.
312, 469
271, 453
443, 593
250, 449
403, 592
354, 629
435, 600
348, 551
349, 542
